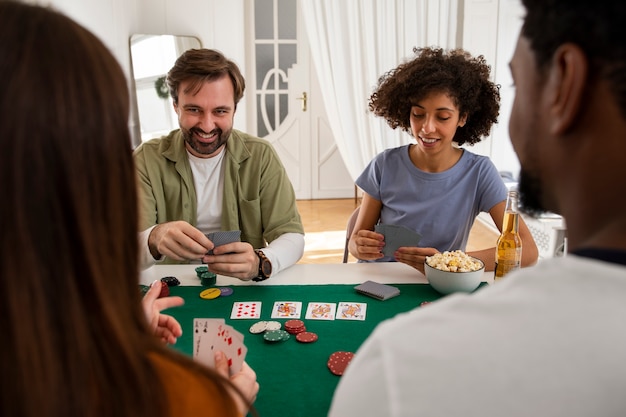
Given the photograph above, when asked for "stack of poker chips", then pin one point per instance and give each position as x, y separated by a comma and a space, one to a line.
338, 362
206, 277
298, 328
295, 326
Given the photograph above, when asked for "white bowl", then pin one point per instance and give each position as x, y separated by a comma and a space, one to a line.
447, 282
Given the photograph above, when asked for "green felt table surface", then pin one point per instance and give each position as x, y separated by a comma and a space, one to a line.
293, 377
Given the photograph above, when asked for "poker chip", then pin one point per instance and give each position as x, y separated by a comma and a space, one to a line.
273, 325
201, 269
165, 290
258, 327
226, 291
170, 281
338, 362
208, 278
295, 326
274, 336
306, 337
143, 289
210, 293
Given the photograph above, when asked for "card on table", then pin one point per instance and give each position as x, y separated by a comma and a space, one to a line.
211, 335
223, 237
397, 236
287, 309
377, 290
321, 311
246, 310
351, 311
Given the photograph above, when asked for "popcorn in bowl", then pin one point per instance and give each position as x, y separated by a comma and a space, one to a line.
454, 261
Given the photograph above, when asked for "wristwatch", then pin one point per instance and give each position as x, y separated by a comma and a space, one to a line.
265, 266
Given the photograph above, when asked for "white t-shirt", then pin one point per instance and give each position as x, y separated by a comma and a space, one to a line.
549, 340
208, 179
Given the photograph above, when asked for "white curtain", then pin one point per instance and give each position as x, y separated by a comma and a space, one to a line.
353, 43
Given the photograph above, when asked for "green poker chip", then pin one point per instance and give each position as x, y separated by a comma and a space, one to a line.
201, 269
274, 336
208, 279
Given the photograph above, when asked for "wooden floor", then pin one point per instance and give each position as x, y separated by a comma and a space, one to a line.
325, 230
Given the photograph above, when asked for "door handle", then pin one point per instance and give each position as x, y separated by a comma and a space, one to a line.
303, 98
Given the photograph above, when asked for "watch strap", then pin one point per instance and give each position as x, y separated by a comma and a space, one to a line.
264, 262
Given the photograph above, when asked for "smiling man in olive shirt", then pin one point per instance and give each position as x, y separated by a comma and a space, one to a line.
207, 177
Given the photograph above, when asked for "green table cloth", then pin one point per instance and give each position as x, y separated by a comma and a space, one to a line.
294, 378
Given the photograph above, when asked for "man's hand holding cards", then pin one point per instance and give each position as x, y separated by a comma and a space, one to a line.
223, 238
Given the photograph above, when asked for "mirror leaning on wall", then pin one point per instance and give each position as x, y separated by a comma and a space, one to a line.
152, 56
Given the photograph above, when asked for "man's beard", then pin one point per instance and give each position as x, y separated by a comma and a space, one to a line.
530, 193
205, 148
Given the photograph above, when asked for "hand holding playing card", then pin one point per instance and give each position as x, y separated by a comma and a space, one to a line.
223, 238
177, 240
213, 335
235, 259
397, 236
244, 380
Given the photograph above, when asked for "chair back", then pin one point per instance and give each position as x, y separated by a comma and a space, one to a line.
349, 229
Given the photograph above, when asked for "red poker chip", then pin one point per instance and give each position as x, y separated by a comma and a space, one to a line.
295, 326
296, 331
306, 337
338, 362
165, 290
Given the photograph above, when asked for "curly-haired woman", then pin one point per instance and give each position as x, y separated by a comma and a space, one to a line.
433, 186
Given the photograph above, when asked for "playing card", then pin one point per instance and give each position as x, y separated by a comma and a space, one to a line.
246, 310
211, 335
223, 237
230, 342
321, 311
377, 290
351, 311
203, 334
397, 236
287, 309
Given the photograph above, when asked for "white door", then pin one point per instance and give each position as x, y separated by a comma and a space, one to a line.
287, 107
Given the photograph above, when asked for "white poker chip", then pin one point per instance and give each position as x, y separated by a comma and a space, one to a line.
273, 325
258, 327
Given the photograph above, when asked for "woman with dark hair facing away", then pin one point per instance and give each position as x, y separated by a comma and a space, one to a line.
444, 99
77, 342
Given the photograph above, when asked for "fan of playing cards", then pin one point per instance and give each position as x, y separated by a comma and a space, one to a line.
211, 335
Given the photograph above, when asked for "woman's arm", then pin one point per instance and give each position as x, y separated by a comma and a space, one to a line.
365, 244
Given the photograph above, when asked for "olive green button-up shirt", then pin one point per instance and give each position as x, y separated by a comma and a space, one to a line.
258, 197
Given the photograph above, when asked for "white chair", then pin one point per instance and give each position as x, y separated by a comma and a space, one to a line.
349, 228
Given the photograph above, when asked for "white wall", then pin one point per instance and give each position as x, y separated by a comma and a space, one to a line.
490, 28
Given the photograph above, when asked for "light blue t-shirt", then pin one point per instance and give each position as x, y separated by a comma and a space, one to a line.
440, 206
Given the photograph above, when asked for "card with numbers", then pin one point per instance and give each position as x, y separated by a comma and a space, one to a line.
246, 310
287, 310
211, 335
351, 311
321, 311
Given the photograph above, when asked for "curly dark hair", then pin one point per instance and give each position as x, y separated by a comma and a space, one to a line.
463, 77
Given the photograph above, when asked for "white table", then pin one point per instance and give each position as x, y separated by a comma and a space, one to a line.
306, 274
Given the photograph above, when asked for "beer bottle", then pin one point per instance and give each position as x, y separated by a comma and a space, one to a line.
509, 246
